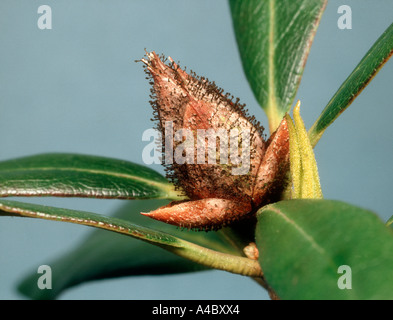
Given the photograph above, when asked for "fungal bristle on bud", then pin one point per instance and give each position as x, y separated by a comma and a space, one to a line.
272, 173
204, 214
212, 149
194, 103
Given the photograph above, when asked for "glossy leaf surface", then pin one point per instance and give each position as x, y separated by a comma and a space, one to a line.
75, 175
303, 245
274, 38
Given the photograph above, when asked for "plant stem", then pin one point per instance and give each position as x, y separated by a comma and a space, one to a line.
218, 260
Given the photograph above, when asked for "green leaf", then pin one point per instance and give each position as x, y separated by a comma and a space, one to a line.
205, 256
302, 244
74, 175
389, 223
274, 39
364, 72
107, 254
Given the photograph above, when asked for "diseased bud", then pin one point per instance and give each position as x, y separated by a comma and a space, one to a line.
271, 177
213, 149
204, 214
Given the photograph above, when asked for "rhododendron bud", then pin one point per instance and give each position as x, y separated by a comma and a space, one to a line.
213, 150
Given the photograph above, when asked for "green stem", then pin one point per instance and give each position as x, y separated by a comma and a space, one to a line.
218, 260
182, 248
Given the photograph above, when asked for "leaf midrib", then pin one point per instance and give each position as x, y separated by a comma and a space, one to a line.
159, 185
311, 240
183, 248
136, 231
308, 237
271, 53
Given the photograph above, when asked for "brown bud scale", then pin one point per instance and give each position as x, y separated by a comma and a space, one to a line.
218, 196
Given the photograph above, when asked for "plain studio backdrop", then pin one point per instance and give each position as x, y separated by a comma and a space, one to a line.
76, 88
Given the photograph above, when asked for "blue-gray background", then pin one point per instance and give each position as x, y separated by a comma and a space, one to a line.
76, 88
